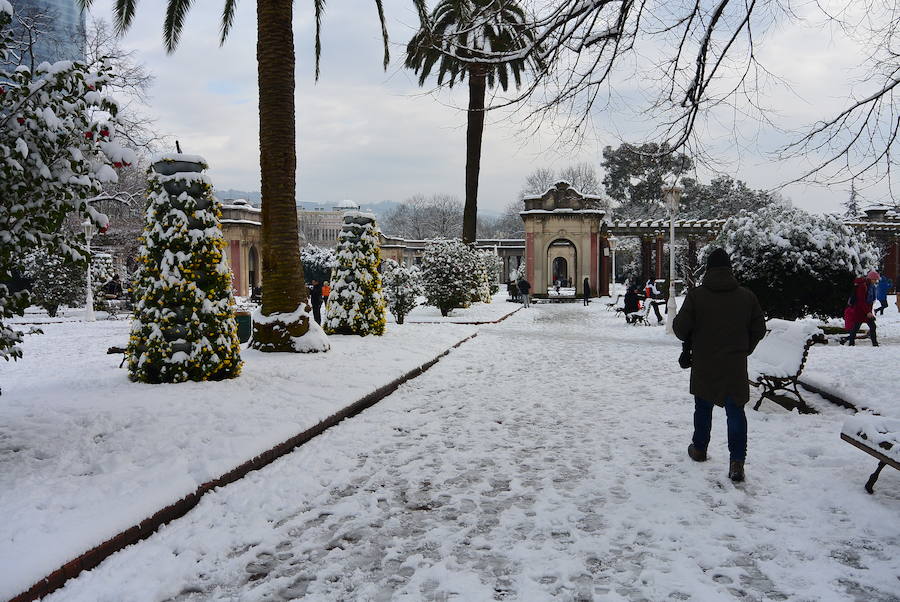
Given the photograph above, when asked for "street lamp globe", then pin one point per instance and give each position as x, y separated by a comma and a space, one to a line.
88, 228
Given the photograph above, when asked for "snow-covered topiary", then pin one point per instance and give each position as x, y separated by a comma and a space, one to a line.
57, 148
184, 326
317, 263
356, 304
797, 263
449, 275
402, 287
102, 271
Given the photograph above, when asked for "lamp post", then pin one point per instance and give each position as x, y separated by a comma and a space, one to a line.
672, 195
88, 229
611, 241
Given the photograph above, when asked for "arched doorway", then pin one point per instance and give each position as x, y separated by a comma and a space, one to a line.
253, 264
560, 269
562, 257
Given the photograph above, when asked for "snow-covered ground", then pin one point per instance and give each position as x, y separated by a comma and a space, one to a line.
545, 459
478, 312
866, 376
85, 454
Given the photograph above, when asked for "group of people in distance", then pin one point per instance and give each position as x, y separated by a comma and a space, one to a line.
632, 301
861, 305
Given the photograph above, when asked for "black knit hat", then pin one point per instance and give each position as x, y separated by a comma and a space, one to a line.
718, 259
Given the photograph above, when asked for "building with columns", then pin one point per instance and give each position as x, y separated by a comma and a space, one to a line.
241, 226
320, 227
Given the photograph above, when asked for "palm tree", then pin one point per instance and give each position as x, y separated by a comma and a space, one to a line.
486, 40
284, 290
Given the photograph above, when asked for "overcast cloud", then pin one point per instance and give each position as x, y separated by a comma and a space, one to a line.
370, 135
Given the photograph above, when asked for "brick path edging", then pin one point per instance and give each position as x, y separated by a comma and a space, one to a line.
497, 321
147, 527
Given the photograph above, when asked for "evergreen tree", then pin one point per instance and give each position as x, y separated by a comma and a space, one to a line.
402, 287
797, 263
356, 304
317, 263
102, 271
57, 149
449, 275
55, 280
184, 326
851, 205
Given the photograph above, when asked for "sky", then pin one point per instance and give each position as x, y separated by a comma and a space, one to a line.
370, 135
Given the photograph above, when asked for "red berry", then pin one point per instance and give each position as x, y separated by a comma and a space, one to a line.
117, 164
90, 87
21, 120
104, 132
89, 135
126, 163
2, 91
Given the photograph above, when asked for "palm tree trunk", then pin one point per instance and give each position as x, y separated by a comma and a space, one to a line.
474, 133
282, 274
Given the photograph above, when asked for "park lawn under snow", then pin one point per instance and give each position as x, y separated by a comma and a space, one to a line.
866, 376
478, 312
544, 459
86, 454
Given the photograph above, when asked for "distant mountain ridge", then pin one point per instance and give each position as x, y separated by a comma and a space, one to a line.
380, 209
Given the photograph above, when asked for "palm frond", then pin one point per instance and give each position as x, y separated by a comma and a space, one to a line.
319, 6
384, 32
227, 19
124, 15
174, 22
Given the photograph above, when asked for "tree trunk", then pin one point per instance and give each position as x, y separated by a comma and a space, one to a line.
283, 288
474, 132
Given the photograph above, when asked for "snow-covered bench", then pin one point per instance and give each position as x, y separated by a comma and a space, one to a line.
877, 436
778, 360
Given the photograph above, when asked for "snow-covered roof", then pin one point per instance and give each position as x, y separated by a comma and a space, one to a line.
346, 204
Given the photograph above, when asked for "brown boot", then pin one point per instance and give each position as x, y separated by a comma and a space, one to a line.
736, 471
697, 455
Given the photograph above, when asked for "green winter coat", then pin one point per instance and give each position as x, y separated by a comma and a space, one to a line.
724, 322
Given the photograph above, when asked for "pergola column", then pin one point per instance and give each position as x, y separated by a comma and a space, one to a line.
646, 258
692, 254
660, 252
601, 289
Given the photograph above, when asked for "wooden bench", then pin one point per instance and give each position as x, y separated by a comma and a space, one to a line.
615, 304
114, 350
877, 436
778, 361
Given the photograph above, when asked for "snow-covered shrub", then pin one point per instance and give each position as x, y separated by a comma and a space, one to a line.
184, 326
449, 274
55, 280
317, 263
57, 148
402, 286
356, 304
102, 271
489, 273
797, 263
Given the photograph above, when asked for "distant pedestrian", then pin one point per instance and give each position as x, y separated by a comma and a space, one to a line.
556, 285
316, 299
631, 303
326, 292
113, 288
859, 308
524, 287
512, 290
723, 322
651, 293
587, 291
881, 292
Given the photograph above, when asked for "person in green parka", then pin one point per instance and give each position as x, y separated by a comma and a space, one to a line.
723, 322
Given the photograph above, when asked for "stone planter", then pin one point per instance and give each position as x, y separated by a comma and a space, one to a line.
175, 188
168, 168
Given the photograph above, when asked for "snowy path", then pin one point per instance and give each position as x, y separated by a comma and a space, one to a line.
543, 460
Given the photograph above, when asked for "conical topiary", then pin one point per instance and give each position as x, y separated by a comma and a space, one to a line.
356, 304
184, 326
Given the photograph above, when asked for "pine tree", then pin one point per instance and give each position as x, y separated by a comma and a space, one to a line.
317, 263
449, 275
851, 205
402, 287
356, 304
102, 271
184, 326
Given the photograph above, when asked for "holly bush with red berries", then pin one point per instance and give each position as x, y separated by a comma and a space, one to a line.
57, 148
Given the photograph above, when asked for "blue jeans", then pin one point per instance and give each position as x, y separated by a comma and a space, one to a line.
737, 427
